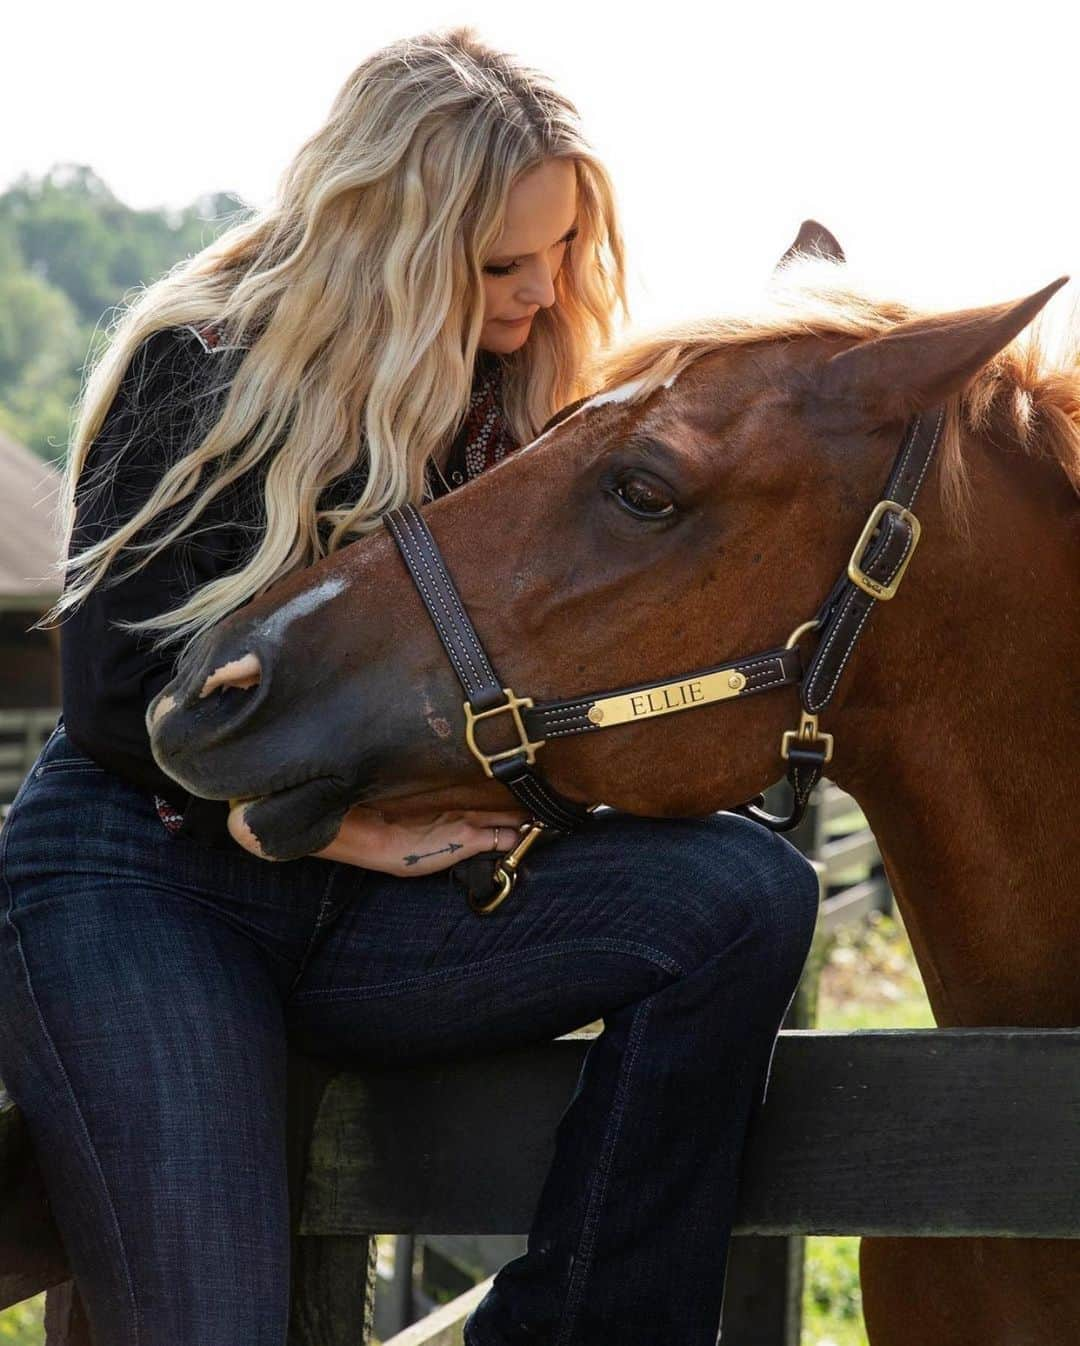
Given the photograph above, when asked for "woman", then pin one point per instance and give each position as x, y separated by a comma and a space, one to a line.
442, 262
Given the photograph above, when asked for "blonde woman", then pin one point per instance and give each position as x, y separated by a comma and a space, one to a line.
441, 264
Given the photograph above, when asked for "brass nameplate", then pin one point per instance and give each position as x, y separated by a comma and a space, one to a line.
666, 697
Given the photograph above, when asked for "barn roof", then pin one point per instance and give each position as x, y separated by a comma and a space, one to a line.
29, 491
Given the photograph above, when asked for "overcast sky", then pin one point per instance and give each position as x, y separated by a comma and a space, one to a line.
938, 141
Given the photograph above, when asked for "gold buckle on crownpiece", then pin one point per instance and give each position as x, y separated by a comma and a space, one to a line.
524, 745
859, 576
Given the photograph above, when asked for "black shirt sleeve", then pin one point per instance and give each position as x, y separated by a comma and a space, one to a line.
170, 394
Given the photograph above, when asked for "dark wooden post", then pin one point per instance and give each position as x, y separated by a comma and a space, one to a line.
66, 1323
763, 1285
332, 1281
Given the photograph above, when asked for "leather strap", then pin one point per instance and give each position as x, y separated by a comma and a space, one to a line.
839, 622
467, 658
556, 719
844, 613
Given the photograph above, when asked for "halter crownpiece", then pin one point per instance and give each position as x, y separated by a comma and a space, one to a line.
877, 564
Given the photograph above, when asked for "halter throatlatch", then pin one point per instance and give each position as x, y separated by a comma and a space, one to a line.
874, 571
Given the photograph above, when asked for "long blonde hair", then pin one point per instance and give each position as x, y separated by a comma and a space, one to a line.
358, 294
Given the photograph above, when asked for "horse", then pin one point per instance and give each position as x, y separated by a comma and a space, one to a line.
699, 505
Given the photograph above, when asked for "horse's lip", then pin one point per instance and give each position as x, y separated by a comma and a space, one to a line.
234, 800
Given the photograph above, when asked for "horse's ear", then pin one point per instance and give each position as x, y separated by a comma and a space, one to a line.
918, 363
813, 238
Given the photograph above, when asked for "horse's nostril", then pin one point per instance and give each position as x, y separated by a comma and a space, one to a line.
237, 673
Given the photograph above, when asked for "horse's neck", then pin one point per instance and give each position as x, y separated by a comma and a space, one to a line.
963, 744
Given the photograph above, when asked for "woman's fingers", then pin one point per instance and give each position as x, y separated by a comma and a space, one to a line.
496, 817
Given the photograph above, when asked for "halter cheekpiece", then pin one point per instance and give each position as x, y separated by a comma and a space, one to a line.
873, 573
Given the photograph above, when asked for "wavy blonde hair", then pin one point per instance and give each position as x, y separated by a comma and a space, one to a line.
358, 294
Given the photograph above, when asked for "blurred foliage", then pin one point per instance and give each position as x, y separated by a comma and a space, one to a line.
24, 1324
70, 252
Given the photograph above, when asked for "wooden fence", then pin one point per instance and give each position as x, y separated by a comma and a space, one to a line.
425, 1268
952, 1132
22, 734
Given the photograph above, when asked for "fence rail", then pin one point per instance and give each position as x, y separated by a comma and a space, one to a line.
22, 735
835, 836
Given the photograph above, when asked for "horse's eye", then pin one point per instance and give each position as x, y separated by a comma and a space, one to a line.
644, 498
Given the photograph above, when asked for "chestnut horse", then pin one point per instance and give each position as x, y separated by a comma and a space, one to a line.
700, 506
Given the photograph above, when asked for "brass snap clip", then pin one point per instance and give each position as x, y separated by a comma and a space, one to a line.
506, 869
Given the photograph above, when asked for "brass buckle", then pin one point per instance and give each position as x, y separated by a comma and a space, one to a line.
806, 733
859, 576
513, 702
506, 869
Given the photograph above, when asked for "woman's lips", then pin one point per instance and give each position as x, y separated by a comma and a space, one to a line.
517, 322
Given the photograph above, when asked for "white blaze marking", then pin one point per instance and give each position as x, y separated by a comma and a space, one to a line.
311, 600
620, 394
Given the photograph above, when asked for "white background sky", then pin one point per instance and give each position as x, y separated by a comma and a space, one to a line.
938, 141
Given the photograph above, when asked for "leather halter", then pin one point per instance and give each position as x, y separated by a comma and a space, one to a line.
874, 570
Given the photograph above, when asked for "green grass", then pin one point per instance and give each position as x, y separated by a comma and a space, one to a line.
24, 1324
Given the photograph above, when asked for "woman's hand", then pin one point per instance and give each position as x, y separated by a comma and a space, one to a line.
421, 845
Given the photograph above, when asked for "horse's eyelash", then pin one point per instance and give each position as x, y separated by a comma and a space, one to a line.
506, 270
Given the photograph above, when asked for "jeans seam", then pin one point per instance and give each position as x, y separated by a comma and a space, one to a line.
324, 902
484, 965
583, 1259
95, 1160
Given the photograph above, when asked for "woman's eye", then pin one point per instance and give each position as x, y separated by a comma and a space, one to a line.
644, 498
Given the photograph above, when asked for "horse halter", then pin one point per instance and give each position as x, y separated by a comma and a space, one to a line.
873, 574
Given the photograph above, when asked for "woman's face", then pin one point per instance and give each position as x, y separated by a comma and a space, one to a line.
519, 274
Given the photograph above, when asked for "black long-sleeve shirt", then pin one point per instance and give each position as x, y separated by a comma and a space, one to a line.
169, 396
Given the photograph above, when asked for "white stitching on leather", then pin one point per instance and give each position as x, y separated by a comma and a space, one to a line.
832, 636
916, 427
851, 646
534, 795
479, 678
900, 558
467, 632
582, 704
393, 523
569, 713
930, 451
422, 565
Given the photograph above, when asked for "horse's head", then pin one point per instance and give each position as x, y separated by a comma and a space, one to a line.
698, 508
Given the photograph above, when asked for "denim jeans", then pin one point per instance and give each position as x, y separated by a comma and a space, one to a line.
149, 985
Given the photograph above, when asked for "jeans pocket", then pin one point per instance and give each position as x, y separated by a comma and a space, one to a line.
66, 766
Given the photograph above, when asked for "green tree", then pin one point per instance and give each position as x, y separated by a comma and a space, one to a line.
69, 253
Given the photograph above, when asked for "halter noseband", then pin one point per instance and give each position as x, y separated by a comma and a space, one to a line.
874, 570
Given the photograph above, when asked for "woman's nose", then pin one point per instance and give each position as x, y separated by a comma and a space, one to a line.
539, 286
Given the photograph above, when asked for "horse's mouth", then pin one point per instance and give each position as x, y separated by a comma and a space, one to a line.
297, 820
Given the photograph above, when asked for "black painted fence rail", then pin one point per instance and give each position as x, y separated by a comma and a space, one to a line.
930, 1132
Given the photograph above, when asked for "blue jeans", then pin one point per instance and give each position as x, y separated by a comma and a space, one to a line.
149, 985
